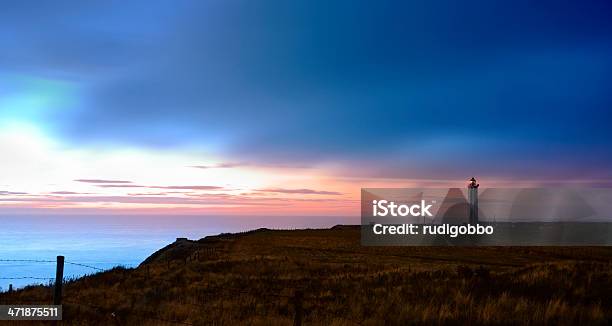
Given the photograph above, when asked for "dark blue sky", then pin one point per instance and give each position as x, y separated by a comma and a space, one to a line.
388, 88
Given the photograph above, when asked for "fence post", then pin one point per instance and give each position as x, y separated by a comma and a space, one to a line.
297, 302
59, 278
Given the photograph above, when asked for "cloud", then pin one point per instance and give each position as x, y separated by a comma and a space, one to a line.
299, 191
153, 200
292, 165
9, 193
149, 194
101, 181
126, 184
204, 200
188, 187
119, 186
219, 166
401, 82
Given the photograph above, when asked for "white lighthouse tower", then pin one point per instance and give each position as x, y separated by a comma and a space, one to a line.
473, 200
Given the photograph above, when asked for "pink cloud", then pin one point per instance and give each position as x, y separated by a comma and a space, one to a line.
101, 181
188, 187
299, 191
68, 193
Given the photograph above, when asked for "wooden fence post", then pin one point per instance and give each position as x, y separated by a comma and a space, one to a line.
297, 302
59, 278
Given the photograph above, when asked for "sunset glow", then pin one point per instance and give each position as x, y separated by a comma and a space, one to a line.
211, 108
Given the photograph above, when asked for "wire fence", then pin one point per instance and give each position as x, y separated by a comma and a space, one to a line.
83, 265
36, 278
296, 298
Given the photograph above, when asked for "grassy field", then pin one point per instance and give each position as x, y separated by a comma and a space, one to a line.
263, 277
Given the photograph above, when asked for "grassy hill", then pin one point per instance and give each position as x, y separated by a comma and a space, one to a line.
263, 277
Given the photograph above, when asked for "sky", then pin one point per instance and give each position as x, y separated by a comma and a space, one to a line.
291, 107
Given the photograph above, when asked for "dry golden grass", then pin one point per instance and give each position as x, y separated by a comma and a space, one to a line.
252, 279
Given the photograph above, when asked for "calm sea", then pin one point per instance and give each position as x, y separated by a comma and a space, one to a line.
108, 241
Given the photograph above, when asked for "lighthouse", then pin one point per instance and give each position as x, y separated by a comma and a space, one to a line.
473, 200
